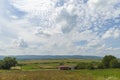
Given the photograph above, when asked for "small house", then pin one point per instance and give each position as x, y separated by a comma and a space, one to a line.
66, 67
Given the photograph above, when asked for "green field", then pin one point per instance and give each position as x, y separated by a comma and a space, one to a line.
110, 74
51, 64
47, 70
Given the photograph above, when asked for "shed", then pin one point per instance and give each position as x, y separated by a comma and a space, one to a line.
66, 67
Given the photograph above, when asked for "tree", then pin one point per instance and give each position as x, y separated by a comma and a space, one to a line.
8, 62
107, 59
114, 63
1, 64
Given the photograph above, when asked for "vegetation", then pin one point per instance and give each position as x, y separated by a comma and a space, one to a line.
103, 74
38, 69
51, 64
88, 65
114, 63
108, 61
7, 63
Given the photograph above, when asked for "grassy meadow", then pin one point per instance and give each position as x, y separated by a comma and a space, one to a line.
47, 70
51, 64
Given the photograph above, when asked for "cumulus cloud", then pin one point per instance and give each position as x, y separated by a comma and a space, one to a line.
20, 43
59, 26
112, 33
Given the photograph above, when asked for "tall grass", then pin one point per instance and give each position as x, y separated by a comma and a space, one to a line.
106, 74
43, 75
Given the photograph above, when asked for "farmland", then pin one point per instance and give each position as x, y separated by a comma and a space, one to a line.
51, 64
47, 70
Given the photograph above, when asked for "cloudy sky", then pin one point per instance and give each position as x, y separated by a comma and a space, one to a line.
60, 27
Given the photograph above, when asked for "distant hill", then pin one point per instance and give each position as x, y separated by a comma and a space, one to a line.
1, 57
41, 57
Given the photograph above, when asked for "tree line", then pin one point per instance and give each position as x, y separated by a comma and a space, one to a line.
108, 61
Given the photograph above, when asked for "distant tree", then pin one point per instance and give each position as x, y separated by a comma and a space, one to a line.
114, 63
8, 62
107, 59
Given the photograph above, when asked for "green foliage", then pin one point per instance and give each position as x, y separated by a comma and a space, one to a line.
81, 65
100, 66
1, 64
106, 60
90, 66
85, 65
114, 63
7, 63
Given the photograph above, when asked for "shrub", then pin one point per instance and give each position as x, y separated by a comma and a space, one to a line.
90, 66
81, 65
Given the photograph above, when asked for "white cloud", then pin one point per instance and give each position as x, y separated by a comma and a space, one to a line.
112, 33
33, 6
20, 44
47, 28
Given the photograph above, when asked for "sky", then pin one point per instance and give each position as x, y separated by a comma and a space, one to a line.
60, 27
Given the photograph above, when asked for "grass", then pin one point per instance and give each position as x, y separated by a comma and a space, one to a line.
103, 74
57, 61
107, 74
43, 75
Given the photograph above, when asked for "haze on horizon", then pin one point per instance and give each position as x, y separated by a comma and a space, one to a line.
60, 27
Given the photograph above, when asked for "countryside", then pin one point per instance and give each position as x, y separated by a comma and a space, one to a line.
59, 39
85, 69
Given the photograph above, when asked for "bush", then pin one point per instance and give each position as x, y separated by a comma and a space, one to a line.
90, 66
81, 65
